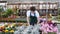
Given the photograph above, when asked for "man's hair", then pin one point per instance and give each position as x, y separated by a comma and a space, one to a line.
32, 8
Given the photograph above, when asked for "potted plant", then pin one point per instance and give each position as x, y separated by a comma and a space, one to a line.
7, 13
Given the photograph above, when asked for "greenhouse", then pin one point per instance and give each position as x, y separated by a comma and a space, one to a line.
29, 16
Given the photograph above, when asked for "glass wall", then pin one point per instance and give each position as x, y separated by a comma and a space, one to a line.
50, 8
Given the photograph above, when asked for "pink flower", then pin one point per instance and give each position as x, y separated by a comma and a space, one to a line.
55, 29
44, 27
59, 33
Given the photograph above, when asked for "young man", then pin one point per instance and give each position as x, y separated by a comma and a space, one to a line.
32, 16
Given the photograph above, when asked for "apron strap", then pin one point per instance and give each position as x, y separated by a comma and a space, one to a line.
34, 14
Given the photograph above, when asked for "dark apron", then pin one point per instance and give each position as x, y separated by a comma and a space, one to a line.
33, 19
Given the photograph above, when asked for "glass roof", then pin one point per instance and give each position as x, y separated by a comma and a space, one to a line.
31, 0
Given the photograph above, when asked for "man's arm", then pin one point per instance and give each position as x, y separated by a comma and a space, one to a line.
28, 20
28, 15
38, 17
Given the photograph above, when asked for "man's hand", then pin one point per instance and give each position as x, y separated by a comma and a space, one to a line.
28, 24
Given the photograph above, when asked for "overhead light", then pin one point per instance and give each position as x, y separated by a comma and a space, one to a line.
2, 3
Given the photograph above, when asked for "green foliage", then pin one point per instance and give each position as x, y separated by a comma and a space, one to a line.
59, 11
1, 9
23, 21
7, 13
4, 15
8, 28
51, 33
59, 16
